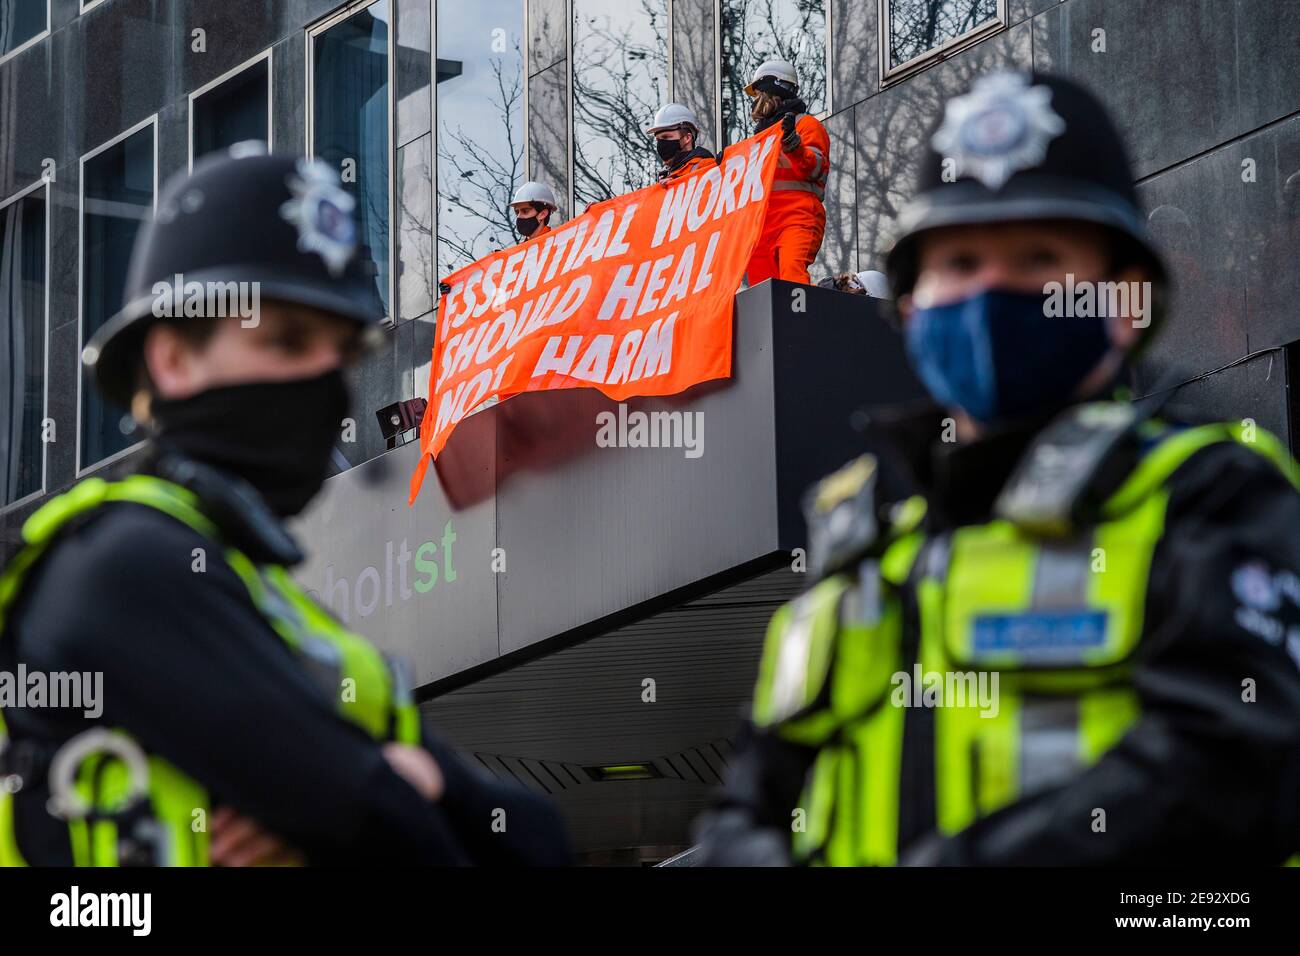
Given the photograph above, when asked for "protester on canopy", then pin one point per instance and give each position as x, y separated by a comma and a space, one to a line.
796, 214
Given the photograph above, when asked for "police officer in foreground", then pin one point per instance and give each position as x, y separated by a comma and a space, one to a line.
1078, 642
241, 723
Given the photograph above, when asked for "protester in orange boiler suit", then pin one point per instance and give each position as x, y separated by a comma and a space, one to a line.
796, 211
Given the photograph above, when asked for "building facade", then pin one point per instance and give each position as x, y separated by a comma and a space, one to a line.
433, 110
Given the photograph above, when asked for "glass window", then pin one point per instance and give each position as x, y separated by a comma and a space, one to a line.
914, 28
350, 123
753, 31
234, 110
22, 345
117, 197
481, 133
620, 78
21, 21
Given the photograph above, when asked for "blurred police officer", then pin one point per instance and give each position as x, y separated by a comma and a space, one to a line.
1079, 641
676, 132
796, 211
241, 723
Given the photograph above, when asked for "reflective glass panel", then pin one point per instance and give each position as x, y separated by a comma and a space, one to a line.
233, 111
918, 26
754, 31
481, 136
20, 20
22, 345
117, 198
350, 119
620, 78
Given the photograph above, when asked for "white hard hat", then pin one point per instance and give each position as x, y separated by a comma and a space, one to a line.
671, 116
538, 194
875, 284
777, 69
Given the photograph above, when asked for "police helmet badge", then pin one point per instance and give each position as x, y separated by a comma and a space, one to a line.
1255, 586
1002, 126
322, 213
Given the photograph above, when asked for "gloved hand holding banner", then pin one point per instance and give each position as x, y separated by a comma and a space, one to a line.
634, 297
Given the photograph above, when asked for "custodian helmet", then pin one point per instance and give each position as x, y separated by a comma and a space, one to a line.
241, 216
1022, 147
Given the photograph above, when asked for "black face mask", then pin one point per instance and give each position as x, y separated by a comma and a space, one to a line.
277, 436
527, 227
668, 148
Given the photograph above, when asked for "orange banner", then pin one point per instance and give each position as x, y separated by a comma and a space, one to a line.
633, 297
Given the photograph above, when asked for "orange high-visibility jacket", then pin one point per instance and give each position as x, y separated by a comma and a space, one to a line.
537, 233
800, 185
700, 159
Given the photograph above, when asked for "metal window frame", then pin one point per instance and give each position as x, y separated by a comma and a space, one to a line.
890, 75
88, 5
152, 121
26, 191
311, 32
30, 43
831, 6
718, 132
525, 51
832, 14
230, 74
672, 88
570, 125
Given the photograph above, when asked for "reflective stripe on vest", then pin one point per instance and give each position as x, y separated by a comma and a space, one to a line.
1057, 622
816, 173
799, 185
367, 689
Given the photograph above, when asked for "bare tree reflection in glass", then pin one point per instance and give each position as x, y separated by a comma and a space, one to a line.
753, 31
918, 26
117, 198
620, 78
416, 279
22, 345
893, 128
480, 127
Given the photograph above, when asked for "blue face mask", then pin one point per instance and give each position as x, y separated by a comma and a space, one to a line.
998, 356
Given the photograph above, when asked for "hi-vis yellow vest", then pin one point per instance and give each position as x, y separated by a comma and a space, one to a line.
368, 690
1056, 620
